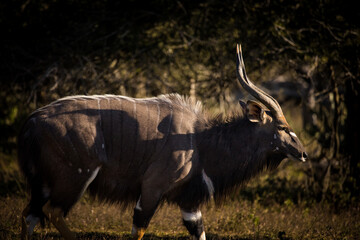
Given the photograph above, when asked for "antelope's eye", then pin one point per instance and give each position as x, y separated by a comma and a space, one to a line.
282, 128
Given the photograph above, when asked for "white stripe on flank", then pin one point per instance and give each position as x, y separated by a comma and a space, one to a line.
193, 216
99, 109
134, 109
89, 126
181, 120
108, 99
102, 133
170, 122
208, 183
145, 148
120, 127
158, 117
191, 141
91, 178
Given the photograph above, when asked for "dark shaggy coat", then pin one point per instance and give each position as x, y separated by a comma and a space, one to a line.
165, 145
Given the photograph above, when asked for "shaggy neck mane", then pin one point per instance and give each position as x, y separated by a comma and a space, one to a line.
231, 153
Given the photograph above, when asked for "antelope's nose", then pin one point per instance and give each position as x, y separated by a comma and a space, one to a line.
304, 156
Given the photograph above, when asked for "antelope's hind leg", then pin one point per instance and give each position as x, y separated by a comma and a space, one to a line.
56, 217
33, 214
28, 223
64, 198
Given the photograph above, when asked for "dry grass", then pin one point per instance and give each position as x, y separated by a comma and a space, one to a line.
270, 215
234, 220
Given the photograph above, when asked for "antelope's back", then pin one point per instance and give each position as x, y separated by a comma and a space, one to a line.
121, 132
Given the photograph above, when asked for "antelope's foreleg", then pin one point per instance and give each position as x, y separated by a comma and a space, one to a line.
145, 209
194, 224
141, 219
137, 233
56, 217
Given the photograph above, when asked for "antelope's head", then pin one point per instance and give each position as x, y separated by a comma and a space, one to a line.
272, 124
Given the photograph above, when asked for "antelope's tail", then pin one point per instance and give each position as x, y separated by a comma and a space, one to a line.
29, 152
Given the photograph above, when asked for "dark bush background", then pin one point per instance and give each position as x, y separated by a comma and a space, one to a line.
305, 53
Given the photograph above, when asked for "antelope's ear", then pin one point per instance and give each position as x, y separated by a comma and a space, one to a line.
255, 112
243, 106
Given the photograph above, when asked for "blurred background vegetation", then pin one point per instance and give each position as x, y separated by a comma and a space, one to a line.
305, 53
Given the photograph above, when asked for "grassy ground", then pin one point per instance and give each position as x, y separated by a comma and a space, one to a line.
234, 220
265, 209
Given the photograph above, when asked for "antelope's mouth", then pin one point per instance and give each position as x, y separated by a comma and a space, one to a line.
300, 157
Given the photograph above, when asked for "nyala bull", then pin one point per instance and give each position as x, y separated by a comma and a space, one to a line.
142, 152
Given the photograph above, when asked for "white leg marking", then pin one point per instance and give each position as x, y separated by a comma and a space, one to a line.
32, 221
208, 183
91, 178
275, 137
194, 216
